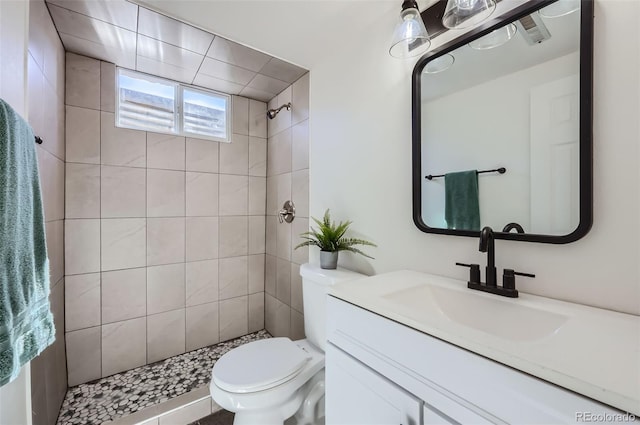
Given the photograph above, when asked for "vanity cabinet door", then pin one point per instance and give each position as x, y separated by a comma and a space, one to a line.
360, 396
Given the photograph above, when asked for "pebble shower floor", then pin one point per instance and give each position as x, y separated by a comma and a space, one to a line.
125, 393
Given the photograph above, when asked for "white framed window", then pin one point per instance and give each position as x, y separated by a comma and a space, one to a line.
149, 103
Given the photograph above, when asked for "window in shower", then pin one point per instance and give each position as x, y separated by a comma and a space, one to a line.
163, 106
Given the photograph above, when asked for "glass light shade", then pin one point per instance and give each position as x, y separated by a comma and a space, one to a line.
440, 64
494, 38
410, 36
560, 8
459, 14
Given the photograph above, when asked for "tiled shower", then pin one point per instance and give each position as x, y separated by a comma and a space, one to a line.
159, 245
165, 235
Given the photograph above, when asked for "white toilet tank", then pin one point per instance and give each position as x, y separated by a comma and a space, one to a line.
315, 286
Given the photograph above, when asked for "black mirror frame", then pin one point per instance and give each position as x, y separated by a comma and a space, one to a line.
586, 124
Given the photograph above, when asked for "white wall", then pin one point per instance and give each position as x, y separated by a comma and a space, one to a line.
15, 397
360, 153
495, 134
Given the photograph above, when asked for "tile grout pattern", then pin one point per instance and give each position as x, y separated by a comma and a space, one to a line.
125, 393
160, 45
161, 232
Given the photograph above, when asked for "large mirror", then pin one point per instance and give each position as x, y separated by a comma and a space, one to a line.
502, 127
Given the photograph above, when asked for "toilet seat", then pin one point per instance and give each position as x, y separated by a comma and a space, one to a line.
271, 362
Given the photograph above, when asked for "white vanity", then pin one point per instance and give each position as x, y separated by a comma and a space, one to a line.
412, 348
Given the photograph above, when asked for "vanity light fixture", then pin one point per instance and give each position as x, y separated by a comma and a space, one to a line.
560, 8
410, 37
440, 64
494, 38
460, 14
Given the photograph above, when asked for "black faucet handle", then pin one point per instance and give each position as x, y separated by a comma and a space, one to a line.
474, 271
509, 278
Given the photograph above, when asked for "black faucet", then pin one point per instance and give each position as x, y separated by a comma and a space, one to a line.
488, 245
508, 288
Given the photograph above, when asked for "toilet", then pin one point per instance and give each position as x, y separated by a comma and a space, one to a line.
276, 379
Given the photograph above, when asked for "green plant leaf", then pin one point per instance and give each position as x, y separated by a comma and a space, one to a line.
329, 236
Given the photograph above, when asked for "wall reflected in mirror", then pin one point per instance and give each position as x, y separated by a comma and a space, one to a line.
510, 99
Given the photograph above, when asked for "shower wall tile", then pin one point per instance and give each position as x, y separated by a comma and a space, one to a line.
270, 275
172, 230
287, 179
234, 318
124, 294
165, 288
202, 325
123, 243
256, 235
165, 151
300, 99
84, 355
233, 233
300, 146
82, 300
233, 275
300, 255
165, 193
82, 246
234, 194
283, 281
257, 118
52, 184
271, 224
272, 196
43, 89
121, 146
201, 194
107, 87
234, 156
165, 335
82, 190
85, 74
297, 325
256, 273
202, 238
202, 155
82, 135
240, 118
124, 345
123, 192
55, 249
300, 192
165, 241
201, 282
257, 196
256, 311
277, 316
279, 153
283, 240
257, 156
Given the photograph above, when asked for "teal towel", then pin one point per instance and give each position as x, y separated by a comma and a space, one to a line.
26, 322
462, 205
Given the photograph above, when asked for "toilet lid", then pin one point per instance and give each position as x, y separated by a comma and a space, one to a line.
259, 365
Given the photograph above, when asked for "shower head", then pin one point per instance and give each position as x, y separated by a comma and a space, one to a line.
271, 113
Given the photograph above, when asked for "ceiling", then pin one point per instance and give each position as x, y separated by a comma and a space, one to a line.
137, 38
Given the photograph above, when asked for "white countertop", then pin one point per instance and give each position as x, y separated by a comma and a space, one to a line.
591, 351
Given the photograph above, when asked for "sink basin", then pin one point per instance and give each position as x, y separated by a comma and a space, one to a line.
504, 318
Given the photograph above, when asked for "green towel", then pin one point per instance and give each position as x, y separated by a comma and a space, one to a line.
462, 205
26, 322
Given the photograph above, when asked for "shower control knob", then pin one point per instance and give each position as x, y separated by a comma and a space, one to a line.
287, 213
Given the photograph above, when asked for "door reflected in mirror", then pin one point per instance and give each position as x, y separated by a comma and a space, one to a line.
504, 132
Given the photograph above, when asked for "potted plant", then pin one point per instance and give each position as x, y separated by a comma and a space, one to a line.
330, 239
